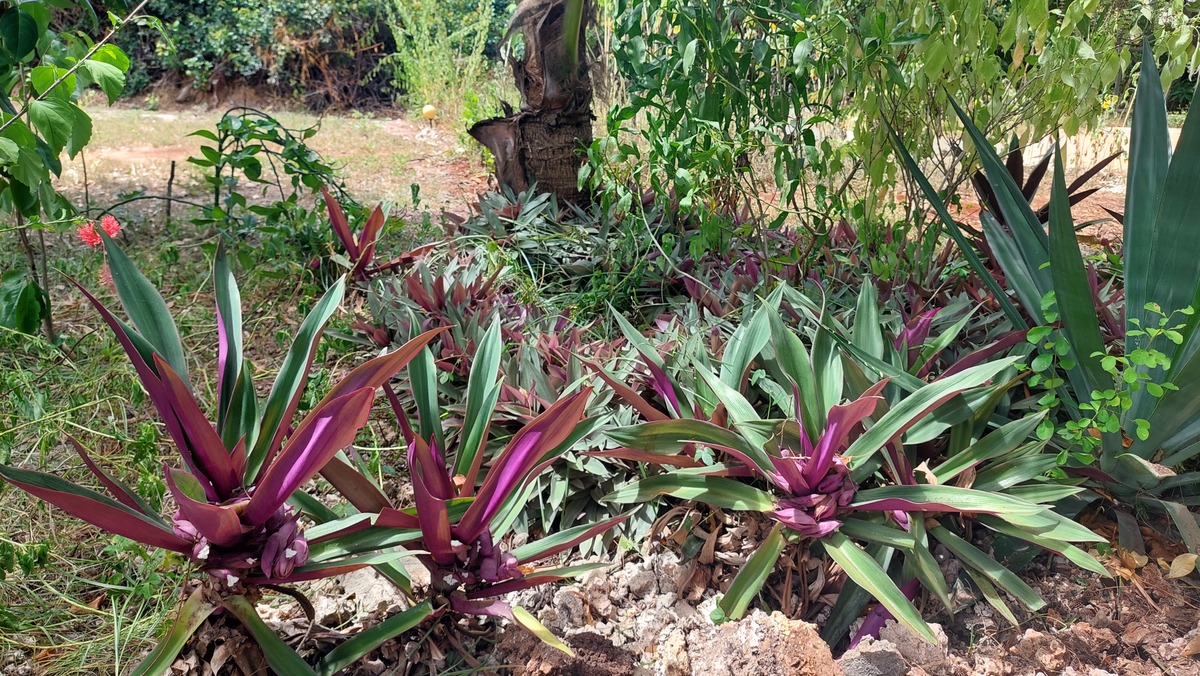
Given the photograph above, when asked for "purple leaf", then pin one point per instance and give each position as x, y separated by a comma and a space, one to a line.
396, 518
625, 392
424, 460
839, 423
218, 523
984, 353
204, 445
96, 509
366, 241
487, 607
661, 383
356, 488
377, 372
433, 515
150, 382
915, 333
322, 433
341, 226
118, 490
509, 470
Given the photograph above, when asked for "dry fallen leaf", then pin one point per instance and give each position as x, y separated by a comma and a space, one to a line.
1183, 565
1192, 648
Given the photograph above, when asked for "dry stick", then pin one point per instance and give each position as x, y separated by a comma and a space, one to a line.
87, 197
71, 71
27, 246
170, 186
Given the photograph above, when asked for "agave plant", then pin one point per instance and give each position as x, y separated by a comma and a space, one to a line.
842, 474
233, 520
1157, 427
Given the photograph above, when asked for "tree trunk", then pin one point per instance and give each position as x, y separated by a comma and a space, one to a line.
543, 142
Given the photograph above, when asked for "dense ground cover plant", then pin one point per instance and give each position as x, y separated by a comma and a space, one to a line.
834, 481
468, 493
1131, 389
232, 521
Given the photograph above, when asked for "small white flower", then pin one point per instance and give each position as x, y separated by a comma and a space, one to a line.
251, 561
450, 580
203, 553
289, 553
231, 579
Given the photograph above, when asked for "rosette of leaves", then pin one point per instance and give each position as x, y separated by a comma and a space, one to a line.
1153, 428
232, 518
466, 502
846, 478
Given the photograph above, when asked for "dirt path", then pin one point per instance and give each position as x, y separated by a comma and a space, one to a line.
379, 158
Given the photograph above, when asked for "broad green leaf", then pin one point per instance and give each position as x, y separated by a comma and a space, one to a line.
19, 31
1070, 551
483, 391
1174, 264
744, 345
926, 566
827, 368
877, 533
22, 302
868, 574
715, 491
280, 656
1000, 442
852, 599
422, 376
1072, 292
113, 56
145, 307
973, 558
868, 333
293, 376
1145, 181
754, 573
108, 77
194, 611
670, 436
910, 410
43, 77
991, 595
793, 360
363, 642
1185, 521
81, 133
55, 121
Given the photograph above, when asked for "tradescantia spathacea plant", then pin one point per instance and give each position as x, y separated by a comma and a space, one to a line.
844, 477
232, 519
1135, 389
465, 503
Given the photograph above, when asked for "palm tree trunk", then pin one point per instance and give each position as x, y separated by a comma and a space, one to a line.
542, 142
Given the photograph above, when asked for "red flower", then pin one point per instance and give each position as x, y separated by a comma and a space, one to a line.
89, 236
